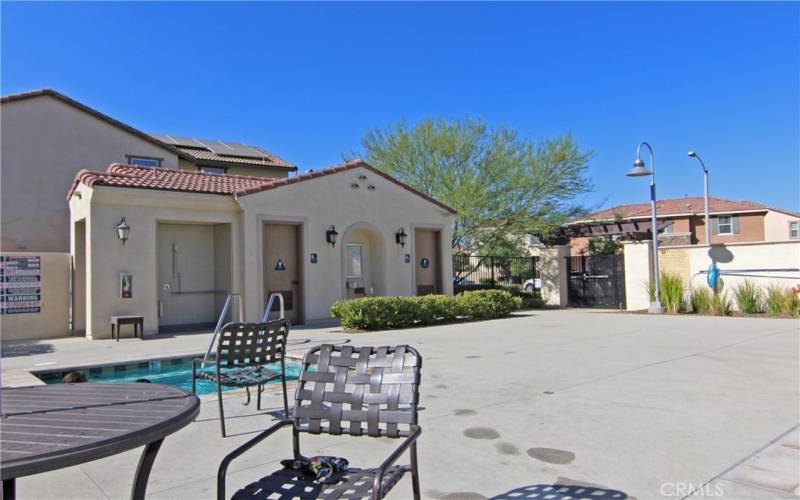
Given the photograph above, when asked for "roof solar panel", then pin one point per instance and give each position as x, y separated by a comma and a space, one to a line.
177, 140
231, 149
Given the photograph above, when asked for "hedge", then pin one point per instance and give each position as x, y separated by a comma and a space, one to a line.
381, 313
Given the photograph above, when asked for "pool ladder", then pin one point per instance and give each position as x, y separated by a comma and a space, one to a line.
221, 321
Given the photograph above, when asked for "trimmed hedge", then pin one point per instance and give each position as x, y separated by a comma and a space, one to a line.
381, 313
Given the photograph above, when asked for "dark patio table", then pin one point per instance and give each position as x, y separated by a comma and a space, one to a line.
50, 427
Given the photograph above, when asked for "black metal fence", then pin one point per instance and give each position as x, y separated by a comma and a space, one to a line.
472, 272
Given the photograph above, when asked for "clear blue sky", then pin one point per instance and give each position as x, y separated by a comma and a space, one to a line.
306, 80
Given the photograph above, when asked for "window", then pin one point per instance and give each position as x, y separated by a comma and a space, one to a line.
534, 240
144, 161
354, 254
213, 170
725, 224
794, 229
669, 228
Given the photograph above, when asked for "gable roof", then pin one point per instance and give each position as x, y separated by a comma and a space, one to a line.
672, 207
200, 156
168, 179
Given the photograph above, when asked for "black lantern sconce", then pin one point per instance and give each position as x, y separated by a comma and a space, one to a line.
123, 230
400, 237
330, 235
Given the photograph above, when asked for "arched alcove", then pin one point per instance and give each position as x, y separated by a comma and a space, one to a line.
363, 261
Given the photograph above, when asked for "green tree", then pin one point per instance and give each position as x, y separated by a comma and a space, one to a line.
504, 187
602, 245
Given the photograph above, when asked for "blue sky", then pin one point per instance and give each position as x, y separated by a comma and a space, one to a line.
306, 80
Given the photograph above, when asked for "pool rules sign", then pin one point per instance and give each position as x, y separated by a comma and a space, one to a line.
20, 284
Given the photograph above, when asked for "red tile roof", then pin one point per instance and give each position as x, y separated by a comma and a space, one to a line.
674, 206
167, 179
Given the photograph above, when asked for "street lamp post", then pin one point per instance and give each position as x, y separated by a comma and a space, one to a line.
692, 154
639, 170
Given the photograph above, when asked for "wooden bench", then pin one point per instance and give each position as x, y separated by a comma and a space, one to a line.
136, 321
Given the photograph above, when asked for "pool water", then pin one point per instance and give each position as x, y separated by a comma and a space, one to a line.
175, 372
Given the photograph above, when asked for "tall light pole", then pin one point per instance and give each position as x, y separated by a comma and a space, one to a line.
639, 170
692, 154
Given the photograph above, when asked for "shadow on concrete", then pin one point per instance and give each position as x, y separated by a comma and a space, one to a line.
25, 348
563, 492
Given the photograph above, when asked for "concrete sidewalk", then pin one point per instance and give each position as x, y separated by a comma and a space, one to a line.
617, 402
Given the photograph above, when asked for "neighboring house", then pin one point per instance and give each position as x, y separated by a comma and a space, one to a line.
48, 137
731, 221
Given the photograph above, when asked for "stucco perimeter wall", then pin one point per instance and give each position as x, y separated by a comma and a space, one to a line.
764, 263
553, 271
53, 320
330, 200
44, 143
107, 257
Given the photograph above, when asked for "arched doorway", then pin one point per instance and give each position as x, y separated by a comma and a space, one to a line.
363, 261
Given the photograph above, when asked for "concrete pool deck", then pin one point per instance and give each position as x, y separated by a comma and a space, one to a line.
651, 406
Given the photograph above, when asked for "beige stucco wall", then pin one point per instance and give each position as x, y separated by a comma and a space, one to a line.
44, 142
330, 200
103, 207
553, 271
689, 261
53, 320
776, 226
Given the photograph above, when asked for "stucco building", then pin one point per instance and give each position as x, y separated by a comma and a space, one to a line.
195, 237
47, 137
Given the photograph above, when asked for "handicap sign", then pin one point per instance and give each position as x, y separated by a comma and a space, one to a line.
425, 263
280, 266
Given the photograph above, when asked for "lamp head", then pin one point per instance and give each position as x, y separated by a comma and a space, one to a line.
638, 170
692, 154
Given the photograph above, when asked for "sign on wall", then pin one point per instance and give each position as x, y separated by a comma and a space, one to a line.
20, 284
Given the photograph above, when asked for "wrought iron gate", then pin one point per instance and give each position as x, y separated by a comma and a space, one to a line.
596, 281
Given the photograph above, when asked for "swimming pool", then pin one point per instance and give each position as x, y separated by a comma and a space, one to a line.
174, 371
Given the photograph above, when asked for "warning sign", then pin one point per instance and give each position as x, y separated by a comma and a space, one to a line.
20, 284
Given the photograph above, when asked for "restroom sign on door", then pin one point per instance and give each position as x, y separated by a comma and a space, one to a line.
20, 284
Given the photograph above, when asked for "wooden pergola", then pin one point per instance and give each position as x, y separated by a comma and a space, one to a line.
629, 230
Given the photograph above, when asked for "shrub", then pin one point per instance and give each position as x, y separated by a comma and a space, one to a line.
721, 304
378, 313
792, 304
748, 297
672, 290
777, 300
700, 299
532, 302
487, 304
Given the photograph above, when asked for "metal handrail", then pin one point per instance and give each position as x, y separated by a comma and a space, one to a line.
221, 321
271, 301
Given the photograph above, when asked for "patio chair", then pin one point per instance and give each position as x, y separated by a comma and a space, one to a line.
243, 350
352, 391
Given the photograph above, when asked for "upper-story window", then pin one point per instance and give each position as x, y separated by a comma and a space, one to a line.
144, 161
794, 229
669, 228
725, 224
213, 170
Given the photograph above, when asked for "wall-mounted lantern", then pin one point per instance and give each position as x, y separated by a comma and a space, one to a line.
330, 235
123, 230
400, 237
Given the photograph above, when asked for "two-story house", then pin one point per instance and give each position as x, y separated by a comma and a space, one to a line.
47, 137
731, 221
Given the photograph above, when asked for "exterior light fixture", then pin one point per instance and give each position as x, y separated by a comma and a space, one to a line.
123, 230
639, 170
400, 237
330, 235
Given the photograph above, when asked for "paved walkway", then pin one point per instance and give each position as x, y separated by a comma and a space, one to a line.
627, 403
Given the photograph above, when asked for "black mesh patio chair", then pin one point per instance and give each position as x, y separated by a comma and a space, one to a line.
243, 351
352, 391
